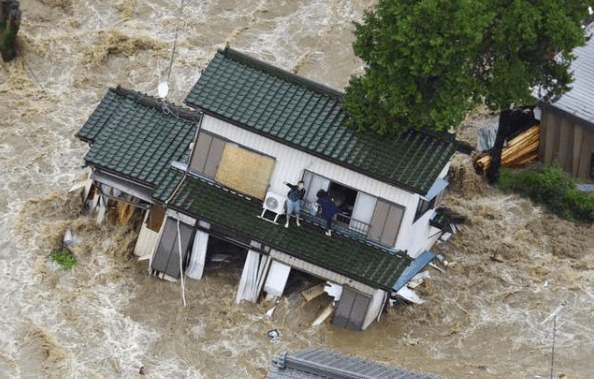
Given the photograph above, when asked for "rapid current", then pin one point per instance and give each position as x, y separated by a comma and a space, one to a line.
492, 313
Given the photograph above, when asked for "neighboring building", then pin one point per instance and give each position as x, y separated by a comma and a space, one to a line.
218, 173
567, 125
316, 363
133, 140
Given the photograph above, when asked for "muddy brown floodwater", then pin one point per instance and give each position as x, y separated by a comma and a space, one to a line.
511, 266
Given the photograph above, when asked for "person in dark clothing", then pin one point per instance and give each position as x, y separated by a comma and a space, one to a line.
329, 209
295, 194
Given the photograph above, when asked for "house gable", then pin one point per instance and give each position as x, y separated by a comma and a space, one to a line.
307, 116
137, 136
577, 104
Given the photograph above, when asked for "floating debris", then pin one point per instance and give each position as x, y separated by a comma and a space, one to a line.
273, 335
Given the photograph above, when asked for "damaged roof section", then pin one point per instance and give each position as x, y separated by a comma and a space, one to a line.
137, 136
316, 363
306, 115
215, 204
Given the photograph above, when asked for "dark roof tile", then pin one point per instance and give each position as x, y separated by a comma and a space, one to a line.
215, 204
129, 134
306, 115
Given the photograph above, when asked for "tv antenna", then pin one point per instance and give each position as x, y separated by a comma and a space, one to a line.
554, 316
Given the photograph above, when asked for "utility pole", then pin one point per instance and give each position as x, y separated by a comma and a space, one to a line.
553, 348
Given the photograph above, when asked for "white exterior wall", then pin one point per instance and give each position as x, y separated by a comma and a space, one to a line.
376, 306
146, 241
291, 163
421, 236
320, 272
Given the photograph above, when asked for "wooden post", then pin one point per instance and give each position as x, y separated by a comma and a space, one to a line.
10, 19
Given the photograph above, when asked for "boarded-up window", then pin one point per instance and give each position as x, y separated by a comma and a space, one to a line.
155, 218
351, 309
167, 257
245, 171
385, 222
207, 154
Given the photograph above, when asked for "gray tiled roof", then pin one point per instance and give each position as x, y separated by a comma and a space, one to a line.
579, 100
318, 363
306, 115
137, 136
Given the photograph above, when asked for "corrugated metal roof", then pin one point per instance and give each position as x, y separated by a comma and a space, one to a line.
209, 201
306, 115
579, 100
133, 135
316, 363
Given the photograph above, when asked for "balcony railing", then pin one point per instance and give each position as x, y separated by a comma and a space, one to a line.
340, 222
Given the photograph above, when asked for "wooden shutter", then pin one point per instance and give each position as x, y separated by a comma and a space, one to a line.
245, 171
385, 222
207, 154
351, 310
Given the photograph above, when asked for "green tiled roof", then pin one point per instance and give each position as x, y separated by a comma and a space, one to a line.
209, 201
306, 115
133, 135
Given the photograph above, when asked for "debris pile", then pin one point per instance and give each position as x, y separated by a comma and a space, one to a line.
520, 150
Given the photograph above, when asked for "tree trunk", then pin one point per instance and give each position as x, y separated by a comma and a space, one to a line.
510, 123
504, 126
10, 19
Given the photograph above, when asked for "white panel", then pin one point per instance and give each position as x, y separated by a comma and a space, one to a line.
314, 183
277, 279
436, 188
181, 217
375, 308
364, 206
145, 244
249, 279
196, 267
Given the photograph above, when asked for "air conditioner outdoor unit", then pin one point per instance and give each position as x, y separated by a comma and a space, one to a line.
275, 203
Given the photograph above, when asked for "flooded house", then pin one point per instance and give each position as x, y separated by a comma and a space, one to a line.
217, 172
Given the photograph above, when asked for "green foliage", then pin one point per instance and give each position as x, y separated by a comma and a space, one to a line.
431, 61
550, 187
63, 258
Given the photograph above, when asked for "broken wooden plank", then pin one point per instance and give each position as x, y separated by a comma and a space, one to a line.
524, 144
324, 315
313, 292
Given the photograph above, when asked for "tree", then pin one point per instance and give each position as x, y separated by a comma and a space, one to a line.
431, 61
10, 19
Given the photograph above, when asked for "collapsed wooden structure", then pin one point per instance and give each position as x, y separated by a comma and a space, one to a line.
520, 150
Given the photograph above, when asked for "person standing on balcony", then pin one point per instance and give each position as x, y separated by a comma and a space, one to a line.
294, 196
329, 209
